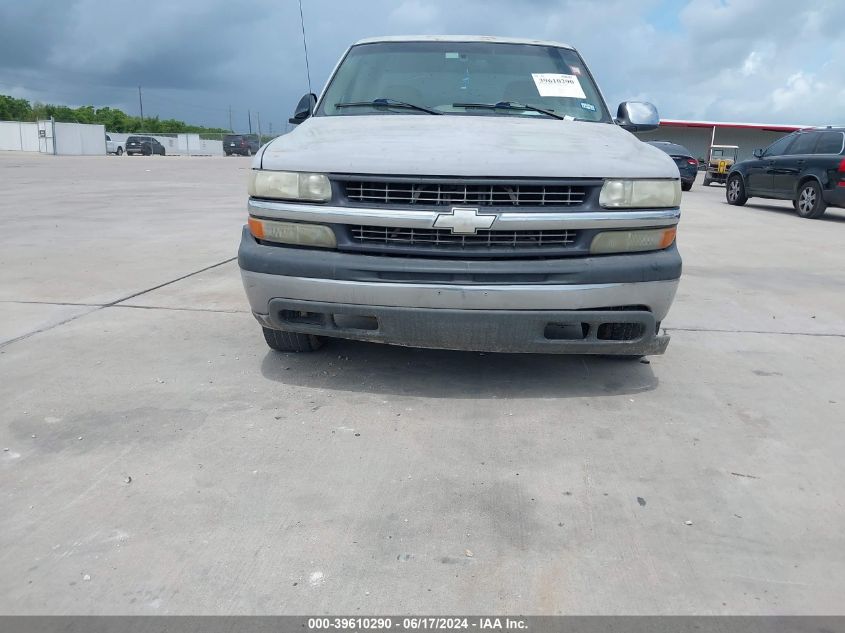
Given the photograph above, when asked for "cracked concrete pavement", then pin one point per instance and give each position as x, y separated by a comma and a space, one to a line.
157, 458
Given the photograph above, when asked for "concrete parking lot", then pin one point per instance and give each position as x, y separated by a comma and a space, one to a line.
159, 459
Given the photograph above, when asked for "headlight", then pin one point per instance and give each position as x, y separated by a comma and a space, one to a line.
296, 233
632, 241
640, 193
290, 185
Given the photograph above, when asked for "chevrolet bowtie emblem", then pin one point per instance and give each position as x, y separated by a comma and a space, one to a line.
464, 220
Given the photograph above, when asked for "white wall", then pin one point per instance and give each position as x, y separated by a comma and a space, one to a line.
71, 138
78, 139
10, 135
15, 136
181, 144
29, 137
194, 145
45, 142
82, 139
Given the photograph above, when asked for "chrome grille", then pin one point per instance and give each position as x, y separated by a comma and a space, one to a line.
386, 235
445, 193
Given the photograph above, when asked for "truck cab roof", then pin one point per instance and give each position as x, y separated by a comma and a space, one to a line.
461, 38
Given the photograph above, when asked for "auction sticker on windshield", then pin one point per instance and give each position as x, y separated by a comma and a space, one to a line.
558, 85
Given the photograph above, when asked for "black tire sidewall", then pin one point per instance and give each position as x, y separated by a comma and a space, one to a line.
284, 341
741, 198
819, 207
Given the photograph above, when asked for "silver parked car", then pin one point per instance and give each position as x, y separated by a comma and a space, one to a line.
469, 193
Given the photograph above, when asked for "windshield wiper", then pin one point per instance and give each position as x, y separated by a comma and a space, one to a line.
375, 103
507, 105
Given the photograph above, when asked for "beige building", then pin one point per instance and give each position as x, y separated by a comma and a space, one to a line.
697, 136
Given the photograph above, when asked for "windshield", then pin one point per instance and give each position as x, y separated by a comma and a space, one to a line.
723, 152
442, 75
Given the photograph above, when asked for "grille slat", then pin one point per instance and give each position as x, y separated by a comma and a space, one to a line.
444, 238
438, 193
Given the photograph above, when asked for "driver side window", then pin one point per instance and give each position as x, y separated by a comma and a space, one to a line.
779, 147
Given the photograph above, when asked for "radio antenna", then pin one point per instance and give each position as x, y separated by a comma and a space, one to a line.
305, 46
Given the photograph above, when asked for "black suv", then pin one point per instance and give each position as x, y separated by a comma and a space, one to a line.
807, 167
145, 145
243, 144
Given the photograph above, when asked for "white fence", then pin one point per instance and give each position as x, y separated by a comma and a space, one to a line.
177, 144
77, 139
80, 139
21, 137
73, 139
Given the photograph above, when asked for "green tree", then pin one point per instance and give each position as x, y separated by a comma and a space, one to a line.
114, 120
12, 109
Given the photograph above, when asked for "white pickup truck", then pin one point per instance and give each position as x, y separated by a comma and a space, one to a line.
468, 193
114, 147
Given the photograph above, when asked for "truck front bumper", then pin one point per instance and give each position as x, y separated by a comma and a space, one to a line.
614, 304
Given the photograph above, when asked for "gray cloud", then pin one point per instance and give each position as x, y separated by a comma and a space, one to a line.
757, 60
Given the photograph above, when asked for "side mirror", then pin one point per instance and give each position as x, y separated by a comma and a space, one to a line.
304, 109
637, 116
758, 153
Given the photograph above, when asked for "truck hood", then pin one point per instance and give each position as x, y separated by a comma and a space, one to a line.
455, 145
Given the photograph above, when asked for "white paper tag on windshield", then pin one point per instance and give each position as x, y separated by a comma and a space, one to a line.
555, 85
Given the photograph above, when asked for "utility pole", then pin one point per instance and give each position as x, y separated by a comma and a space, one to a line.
141, 103
231, 129
249, 118
258, 114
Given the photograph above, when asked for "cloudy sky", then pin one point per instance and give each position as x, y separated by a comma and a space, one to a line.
775, 61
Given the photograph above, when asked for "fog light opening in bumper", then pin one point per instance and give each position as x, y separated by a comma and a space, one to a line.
355, 322
329, 321
620, 331
566, 331
302, 317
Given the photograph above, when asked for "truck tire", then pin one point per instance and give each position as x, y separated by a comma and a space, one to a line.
119, 151
283, 341
809, 203
735, 191
706, 181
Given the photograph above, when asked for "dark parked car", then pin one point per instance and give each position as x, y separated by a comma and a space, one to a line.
687, 165
807, 167
145, 145
243, 144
